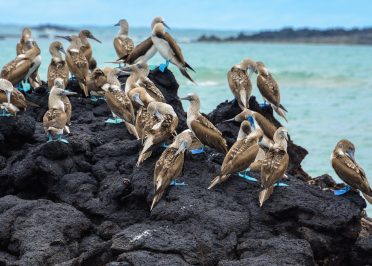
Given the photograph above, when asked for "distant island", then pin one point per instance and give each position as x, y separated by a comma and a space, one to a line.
44, 27
304, 35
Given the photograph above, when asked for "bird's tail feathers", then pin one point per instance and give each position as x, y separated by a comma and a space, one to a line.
265, 195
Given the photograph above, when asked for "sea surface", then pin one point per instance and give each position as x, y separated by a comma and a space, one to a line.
327, 89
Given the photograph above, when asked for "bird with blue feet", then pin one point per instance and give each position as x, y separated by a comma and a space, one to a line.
344, 163
241, 154
55, 119
274, 165
170, 164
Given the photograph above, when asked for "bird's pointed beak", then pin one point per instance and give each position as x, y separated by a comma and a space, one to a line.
165, 25
62, 50
159, 115
67, 37
138, 100
121, 72
8, 95
94, 38
350, 154
186, 98
117, 24
67, 93
126, 68
229, 120
182, 147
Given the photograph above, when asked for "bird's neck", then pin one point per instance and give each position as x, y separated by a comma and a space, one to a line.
55, 102
56, 56
194, 108
123, 31
281, 143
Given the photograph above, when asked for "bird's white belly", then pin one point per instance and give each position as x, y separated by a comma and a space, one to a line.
163, 47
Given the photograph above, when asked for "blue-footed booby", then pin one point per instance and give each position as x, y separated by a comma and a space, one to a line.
274, 165
8, 104
344, 163
240, 82
269, 89
58, 67
170, 164
169, 50
241, 154
55, 119
22, 46
95, 84
144, 51
122, 43
156, 134
203, 129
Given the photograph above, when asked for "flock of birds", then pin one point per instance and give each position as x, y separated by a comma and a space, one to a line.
141, 106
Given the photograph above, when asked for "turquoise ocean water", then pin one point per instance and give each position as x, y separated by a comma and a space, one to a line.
327, 89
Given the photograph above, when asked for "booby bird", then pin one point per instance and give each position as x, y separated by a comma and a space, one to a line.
138, 77
269, 89
95, 84
344, 163
86, 46
161, 131
6, 101
274, 165
58, 67
203, 129
144, 51
169, 50
240, 82
122, 43
240, 155
26, 36
23, 66
78, 63
55, 119
170, 164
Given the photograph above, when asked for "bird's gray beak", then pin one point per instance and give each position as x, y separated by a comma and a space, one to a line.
159, 115
350, 153
121, 72
68, 38
94, 38
117, 24
187, 98
126, 68
182, 147
137, 99
8, 95
229, 120
67, 93
165, 25
62, 50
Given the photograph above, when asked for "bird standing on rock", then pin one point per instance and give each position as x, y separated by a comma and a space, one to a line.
344, 164
170, 164
165, 127
95, 84
240, 82
11, 100
169, 50
274, 165
122, 43
269, 89
240, 155
203, 129
58, 67
55, 119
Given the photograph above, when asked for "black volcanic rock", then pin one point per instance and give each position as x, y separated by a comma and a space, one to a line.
86, 203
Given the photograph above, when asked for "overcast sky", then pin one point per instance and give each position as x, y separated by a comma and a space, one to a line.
203, 14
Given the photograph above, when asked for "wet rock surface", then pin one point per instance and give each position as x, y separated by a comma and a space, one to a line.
85, 203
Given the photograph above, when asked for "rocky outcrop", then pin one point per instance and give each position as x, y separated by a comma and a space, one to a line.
85, 203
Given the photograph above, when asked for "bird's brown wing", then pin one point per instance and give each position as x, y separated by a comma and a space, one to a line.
120, 104
269, 89
18, 99
54, 119
175, 47
152, 89
16, 70
240, 156
208, 134
273, 167
123, 46
349, 171
267, 127
78, 65
57, 70
139, 51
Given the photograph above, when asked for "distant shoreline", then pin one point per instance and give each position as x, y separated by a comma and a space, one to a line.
305, 35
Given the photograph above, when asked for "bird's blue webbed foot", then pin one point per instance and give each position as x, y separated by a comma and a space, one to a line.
342, 191
247, 177
175, 183
162, 67
164, 145
5, 113
198, 151
61, 139
50, 138
280, 184
23, 86
94, 98
72, 78
115, 120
